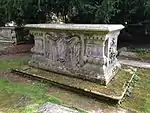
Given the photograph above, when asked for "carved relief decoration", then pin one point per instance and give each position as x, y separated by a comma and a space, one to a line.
63, 50
38, 48
94, 49
113, 48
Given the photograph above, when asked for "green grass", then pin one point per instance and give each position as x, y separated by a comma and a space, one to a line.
23, 98
145, 56
8, 64
139, 100
142, 53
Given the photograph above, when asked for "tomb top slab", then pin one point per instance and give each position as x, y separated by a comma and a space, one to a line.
12, 27
87, 27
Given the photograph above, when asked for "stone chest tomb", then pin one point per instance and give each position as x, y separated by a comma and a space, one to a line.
85, 51
7, 33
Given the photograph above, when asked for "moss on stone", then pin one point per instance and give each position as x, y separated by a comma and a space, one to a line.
115, 89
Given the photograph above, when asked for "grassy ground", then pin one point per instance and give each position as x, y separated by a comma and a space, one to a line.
26, 98
19, 97
139, 99
5, 65
142, 54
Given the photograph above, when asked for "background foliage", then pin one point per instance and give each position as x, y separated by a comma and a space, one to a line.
74, 11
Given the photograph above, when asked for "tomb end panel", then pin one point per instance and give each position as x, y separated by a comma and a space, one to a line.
39, 42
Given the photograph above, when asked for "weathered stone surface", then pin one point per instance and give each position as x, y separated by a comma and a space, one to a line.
84, 51
128, 54
123, 49
135, 63
54, 108
8, 33
84, 27
114, 91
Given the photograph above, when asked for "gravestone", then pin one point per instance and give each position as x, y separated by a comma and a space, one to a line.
54, 108
85, 51
8, 34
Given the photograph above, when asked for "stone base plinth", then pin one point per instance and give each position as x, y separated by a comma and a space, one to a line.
114, 91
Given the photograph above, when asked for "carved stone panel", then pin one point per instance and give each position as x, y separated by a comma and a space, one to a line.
95, 51
112, 50
39, 42
39, 46
62, 50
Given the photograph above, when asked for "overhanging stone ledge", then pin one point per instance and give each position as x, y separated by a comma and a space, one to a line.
85, 27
